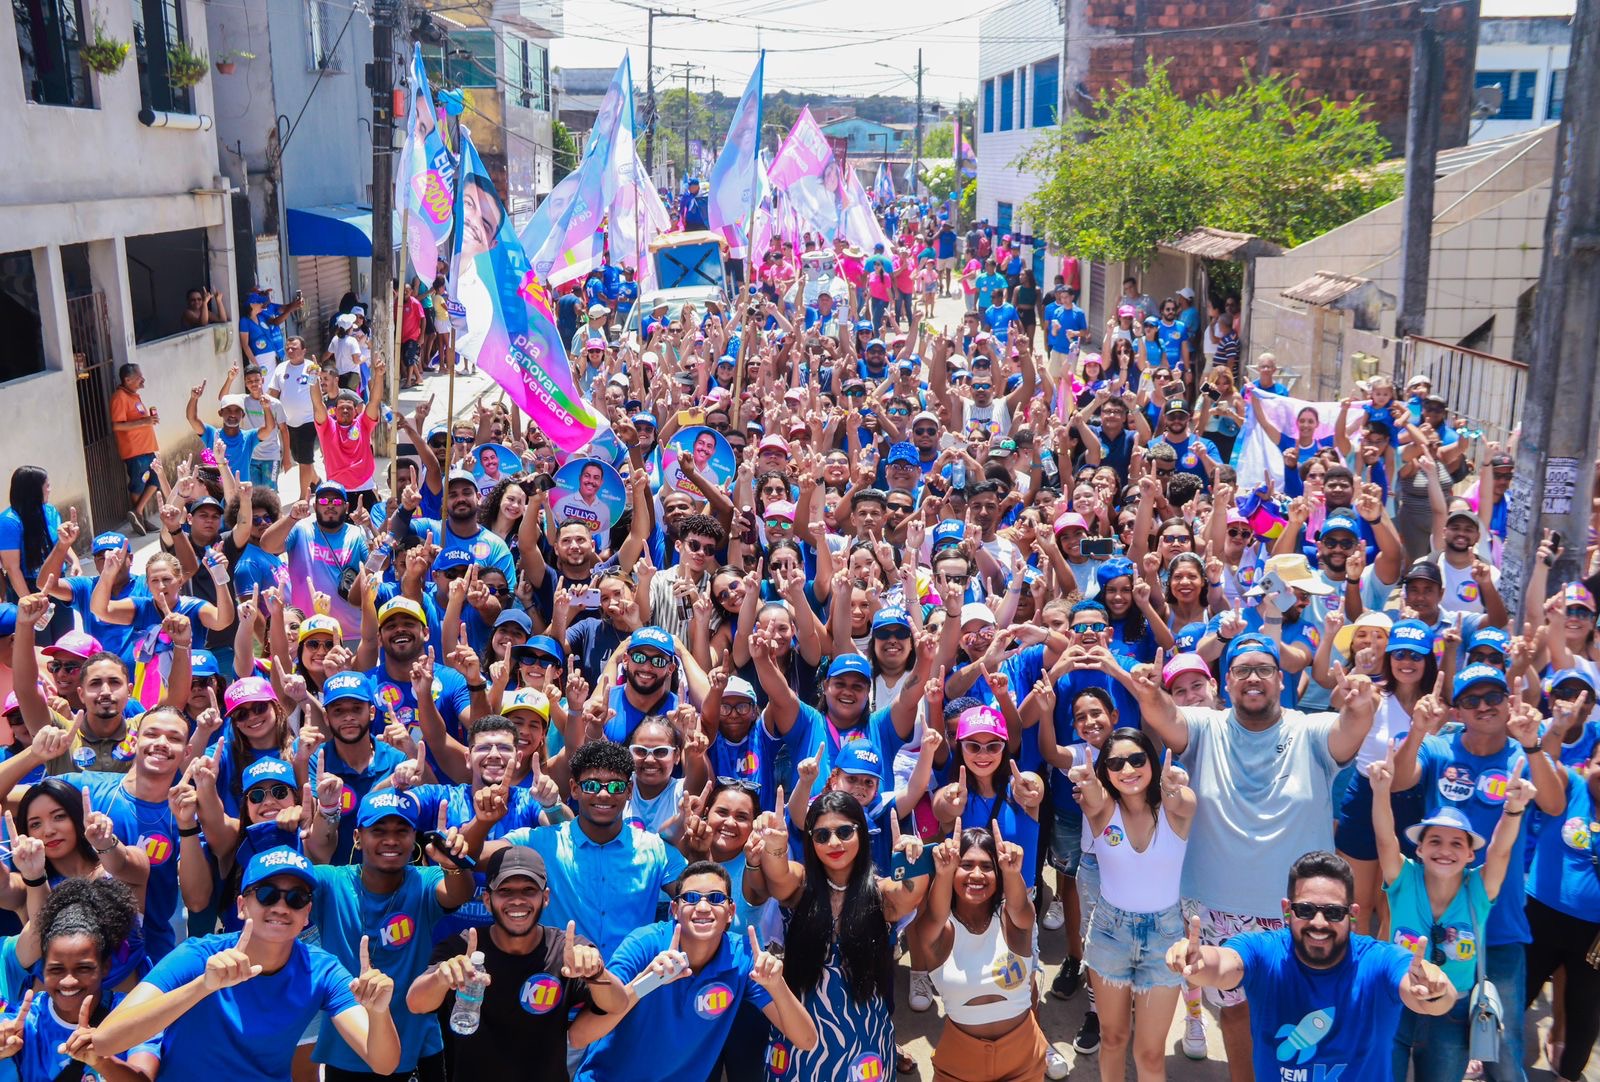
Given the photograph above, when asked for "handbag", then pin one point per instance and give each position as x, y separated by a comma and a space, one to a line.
1485, 1015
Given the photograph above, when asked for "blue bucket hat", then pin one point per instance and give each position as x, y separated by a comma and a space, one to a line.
1446, 816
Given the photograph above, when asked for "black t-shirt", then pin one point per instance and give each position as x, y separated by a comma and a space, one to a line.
525, 1009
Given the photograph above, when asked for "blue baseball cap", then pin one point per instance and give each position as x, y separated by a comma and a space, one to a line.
384, 803
1250, 643
1413, 635
1115, 568
1189, 636
891, 617
1341, 520
863, 326
202, 663
646, 419
1497, 639
1446, 816
348, 685
859, 757
517, 617
1476, 674
452, 558
876, 343
1555, 680
655, 639
850, 665
270, 768
903, 454
544, 644
8, 619
105, 542
279, 860
331, 486
949, 531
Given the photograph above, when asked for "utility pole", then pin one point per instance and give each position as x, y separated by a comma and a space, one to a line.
1556, 450
651, 15
1422, 150
916, 162
688, 110
385, 17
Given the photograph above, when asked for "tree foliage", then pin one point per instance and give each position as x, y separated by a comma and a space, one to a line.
564, 152
1144, 165
938, 142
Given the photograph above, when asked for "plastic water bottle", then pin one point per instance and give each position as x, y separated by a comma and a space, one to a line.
379, 556
469, 1001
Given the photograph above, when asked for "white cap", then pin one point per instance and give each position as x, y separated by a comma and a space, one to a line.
739, 687
977, 610
1186, 293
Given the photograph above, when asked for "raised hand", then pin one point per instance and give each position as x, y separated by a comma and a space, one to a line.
52, 742
97, 828
1026, 787
232, 966
580, 960
11, 1029
766, 969
458, 972
1381, 774
1426, 980
672, 963
80, 1043
810, 767
373, 988
27, 852
1520, 791
1010, 853
1173, 778
1185, 955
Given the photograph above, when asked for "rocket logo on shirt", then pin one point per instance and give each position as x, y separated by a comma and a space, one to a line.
866, 1068
541, 994
158, 847
1299, 1042
713, 1000
1457, 783
398, 932
1009, 972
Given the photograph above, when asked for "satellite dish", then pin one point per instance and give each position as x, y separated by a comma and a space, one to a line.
1486, 101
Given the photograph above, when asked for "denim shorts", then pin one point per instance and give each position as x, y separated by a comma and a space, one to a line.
1088, 883
1066, 842
1130, 949
140, 474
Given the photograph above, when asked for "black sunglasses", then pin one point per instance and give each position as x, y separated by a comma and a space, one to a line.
655, 661
269, 896
824, 835
277, 791
1333, 914
1136, 760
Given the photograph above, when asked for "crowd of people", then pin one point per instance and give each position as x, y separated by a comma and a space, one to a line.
977, 652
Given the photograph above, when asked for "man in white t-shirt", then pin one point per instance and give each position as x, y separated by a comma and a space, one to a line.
293, 383
1471, 584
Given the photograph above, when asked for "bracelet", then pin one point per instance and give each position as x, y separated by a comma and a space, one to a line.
475, 688
106, 850
1534, 750
39, 882
188, 832
1514, 812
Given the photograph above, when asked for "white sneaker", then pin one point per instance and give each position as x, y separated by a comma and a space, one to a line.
921, 991
1055, 1064
1055, 916
1194, 1036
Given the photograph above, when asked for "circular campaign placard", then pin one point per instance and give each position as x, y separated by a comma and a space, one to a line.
589, 491
493, 463
711, 454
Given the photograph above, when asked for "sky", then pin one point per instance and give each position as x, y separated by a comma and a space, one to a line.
819, 46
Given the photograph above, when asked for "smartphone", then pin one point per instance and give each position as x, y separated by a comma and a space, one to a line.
691, 417
1555, 547
433, 837
1213, 394
902, 869
1282, 595
1098, 548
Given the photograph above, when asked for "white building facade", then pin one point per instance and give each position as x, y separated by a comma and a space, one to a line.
1525, 55
1019, 96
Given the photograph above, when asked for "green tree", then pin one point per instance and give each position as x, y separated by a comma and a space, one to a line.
938, 142
1144, 165
777, 117
564, 155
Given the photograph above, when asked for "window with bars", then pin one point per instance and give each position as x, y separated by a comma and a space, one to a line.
323, 35
1046, 92
49, 35
158, 26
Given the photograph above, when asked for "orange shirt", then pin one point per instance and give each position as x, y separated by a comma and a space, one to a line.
132, 442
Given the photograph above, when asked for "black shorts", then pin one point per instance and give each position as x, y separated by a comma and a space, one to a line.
411, 353
303, 443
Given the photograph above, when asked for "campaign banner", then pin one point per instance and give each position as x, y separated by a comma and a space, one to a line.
509, 317
810, 177
637, 217
425, 178
734, 180
858, 224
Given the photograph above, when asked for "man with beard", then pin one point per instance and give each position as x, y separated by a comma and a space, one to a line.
359, 761
996, 555
323, 551
673, 591
1471, 585
1329, 1000
1264, 775
648, 667
1195, 454
404, 662
76, 590
491, 759
604, 876
460, 529
537, 977
385, 908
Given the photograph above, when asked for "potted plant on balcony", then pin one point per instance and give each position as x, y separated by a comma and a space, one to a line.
105, 55
186, 65
230, 59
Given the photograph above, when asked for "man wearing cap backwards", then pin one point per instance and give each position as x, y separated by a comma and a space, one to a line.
537, 977
1263, 778
323, 550
360, 762
233, 1005
1469, 770
386, 908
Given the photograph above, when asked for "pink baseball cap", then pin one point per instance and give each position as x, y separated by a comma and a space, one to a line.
1576, 593
1234, 517
1127, 310
11, 703
977, 720
1182, 663
780, 509
1069, 519
251, 689
773, 442
74, 644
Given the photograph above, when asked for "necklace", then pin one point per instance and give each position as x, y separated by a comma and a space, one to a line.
836, 887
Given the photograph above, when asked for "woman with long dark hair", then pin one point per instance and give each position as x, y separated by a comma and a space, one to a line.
28, 531
839, 956
981, 959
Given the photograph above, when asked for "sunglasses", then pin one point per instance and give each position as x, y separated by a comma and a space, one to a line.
697, 546
1333, 914
983, 386
1343, 544
538, 661
1137, 760
655, 661
824, 835
775, 523
1175, 539
262, 520
594, 788
1240, 535
269, 896
639, 751
1579, 612
1437, 936
1487, 698
277, 791
899, 412
1408, 655
956, 580
983, 747
1089, 629
695, 897
68, 667
924, 430
330, 501
883, 634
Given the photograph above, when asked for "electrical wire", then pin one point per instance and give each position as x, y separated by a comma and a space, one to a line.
322, 69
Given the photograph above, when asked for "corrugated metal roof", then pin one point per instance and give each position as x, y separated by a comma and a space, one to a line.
1323, 288
1208, 243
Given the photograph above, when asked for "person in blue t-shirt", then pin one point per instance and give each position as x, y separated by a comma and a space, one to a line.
693, 207
1195, 454
1324, 1002
238, 443
999, 316
687, 977
234, 1005
627, 294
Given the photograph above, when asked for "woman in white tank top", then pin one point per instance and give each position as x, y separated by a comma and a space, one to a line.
981, 960
1139, 812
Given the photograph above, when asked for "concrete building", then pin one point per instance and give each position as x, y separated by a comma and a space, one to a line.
1019, 63
867, 138
1522, 49
113, 209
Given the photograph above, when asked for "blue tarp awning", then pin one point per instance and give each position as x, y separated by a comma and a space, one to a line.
333, 229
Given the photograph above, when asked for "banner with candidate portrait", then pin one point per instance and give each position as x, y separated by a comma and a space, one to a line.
734, 187
508, 326
425, 178
589, 491
810, 178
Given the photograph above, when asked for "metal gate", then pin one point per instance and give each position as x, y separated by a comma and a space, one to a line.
324, 280
95, 366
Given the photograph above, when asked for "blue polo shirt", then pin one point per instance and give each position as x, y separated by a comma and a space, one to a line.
487, 547
357, 784
399, 931
248, 1033
609, 889
450, 695
675, 1031
626, 717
